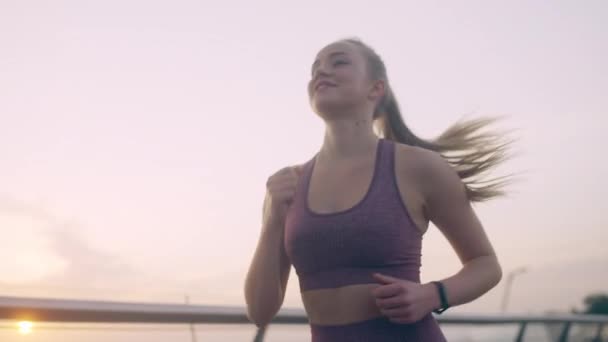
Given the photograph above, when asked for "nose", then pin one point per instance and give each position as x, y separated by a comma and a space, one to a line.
320, 71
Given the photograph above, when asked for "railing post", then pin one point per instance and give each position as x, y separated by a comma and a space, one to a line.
521, 332
598, 335
563, 337
259, 336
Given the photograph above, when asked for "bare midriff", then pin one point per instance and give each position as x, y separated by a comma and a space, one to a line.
343, 305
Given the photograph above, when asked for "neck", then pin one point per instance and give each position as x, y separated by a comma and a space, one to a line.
348, 139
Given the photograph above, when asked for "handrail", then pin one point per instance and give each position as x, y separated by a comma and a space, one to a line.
62, 310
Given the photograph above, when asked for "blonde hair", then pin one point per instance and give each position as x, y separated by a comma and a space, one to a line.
466, 145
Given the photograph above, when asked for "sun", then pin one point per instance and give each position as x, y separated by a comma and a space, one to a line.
25, 327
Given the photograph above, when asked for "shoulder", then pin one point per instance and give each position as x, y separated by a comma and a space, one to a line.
430, 171
416, 158
421, 162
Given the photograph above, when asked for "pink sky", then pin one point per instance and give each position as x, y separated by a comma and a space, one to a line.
136, 137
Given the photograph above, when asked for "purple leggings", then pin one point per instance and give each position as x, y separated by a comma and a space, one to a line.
379, 330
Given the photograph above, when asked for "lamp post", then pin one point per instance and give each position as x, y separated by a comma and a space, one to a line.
508, 284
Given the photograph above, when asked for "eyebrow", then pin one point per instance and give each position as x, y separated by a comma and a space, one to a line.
333, 54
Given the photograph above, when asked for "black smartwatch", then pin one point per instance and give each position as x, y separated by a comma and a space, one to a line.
442, 297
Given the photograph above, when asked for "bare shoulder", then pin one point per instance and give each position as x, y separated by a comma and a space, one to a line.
428, 169
416, 158
421, 162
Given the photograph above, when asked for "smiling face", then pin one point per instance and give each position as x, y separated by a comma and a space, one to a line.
341, 81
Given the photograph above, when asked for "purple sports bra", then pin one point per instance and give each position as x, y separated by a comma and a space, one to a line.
345, 248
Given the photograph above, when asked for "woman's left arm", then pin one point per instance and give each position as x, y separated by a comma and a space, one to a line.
447, 206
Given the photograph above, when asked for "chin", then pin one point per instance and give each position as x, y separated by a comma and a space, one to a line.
327, 107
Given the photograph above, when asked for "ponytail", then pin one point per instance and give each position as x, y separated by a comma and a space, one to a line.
466, 146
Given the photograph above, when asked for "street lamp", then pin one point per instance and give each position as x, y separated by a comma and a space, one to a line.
508, 284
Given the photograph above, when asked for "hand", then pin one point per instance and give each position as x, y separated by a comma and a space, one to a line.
280, 190
404, 301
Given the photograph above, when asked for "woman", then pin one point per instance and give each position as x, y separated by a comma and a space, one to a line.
351, 219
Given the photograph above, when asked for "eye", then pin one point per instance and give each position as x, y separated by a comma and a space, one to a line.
335, 63
340, 62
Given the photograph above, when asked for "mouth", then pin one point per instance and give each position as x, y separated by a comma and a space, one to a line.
324, 84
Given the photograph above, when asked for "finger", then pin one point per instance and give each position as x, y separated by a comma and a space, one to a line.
285, 194
384, 279
297, 169
279, 193
282, 173
402, 311
385, 291
291, 178
295, 173
390, 302
288, 181
286, 170
281, 187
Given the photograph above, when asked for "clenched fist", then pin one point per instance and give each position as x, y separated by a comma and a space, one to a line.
404, 301
280, 191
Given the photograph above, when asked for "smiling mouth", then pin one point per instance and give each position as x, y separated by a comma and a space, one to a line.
323, 85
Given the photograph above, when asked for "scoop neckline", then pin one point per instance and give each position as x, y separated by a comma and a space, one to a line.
356, 205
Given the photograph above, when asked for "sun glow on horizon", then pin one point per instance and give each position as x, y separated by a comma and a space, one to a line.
25, 327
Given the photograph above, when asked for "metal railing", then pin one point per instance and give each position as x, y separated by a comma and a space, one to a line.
79, 311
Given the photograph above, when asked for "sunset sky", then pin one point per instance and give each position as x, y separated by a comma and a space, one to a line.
136, 136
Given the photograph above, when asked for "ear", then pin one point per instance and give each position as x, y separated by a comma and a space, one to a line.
376, 91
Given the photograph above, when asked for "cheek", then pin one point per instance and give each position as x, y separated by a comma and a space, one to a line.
351, 92
352, 83
309, 89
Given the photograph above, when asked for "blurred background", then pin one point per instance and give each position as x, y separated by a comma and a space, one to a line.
136, 138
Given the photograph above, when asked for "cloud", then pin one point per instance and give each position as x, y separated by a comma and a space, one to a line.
46, 256
86, 264
10, 205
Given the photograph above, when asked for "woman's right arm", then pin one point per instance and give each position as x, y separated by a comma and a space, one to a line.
269, 270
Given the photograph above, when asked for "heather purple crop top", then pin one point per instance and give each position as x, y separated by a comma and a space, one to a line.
344, 248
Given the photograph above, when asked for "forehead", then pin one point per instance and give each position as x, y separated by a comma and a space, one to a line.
335, 48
